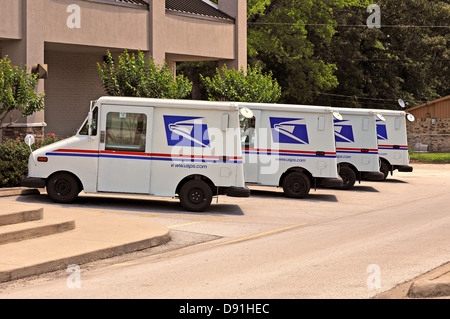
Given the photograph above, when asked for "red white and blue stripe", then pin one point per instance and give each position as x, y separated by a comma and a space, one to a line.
278, 152
146, 156
348, 150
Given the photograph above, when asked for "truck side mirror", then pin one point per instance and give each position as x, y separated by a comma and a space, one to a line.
246, 112
337, 116
29, 140
410, 117
90, 120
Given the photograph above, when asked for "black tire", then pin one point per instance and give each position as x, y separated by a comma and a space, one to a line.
384, 168
348, 177
195, 195
296, 185
63, 188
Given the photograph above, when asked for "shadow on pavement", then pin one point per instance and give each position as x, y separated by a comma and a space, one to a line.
311, 196
138, 205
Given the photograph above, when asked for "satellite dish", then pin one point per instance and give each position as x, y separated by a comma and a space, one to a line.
246, 112
401, 103
410, 117
337, 116
381, 117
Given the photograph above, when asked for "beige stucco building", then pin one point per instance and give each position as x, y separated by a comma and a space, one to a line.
71, 36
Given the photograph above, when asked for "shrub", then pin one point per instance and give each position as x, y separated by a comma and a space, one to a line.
18, 91
240, 86
14, 159
136, 76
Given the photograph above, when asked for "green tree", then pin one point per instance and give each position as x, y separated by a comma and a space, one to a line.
239, 86
17, 91
282, 37
406, 58
136, 76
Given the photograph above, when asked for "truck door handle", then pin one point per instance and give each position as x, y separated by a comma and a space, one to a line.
102, 137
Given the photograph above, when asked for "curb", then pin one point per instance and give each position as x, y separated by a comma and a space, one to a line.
63, 263
434, 284
16, 191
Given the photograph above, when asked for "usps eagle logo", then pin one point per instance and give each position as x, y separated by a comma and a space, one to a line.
381, 131
186, 131
289, 130
343, 131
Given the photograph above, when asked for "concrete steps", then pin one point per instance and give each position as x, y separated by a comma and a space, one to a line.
36, 240
11, 218
35, 229
23, 225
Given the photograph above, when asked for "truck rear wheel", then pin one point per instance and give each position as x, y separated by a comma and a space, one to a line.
296, 185
384, 169
195, 195
348, 177
63, 188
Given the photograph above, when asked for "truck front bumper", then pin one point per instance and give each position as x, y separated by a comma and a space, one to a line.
33, 182
330, 182
404, 168
238, 192
373, 176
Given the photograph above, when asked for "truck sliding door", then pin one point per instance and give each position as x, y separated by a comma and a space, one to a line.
124, 164
249, 129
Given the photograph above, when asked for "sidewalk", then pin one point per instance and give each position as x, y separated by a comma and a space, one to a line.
36, 239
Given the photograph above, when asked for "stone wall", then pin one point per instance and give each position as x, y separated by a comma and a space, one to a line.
14, 133
435, 133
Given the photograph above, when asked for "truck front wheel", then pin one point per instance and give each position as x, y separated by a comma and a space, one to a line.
195, 195
63, 188
296, 185
348, 177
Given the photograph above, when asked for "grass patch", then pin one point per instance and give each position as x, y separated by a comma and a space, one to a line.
440, 158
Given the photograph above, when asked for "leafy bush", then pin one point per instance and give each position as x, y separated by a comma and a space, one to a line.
238, 86
14, 159
137, 76
18, 91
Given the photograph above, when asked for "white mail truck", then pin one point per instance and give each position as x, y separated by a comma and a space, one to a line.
357, 145
393, 141
147, 146
290, 146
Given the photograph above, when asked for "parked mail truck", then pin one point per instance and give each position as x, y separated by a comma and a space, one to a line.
147, 146
357, 146
393, 142
290, 146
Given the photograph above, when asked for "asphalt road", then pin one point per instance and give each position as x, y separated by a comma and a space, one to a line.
333, 244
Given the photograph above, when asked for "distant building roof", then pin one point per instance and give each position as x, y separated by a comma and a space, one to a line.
196, 7
439, 108
442, 99
127, 3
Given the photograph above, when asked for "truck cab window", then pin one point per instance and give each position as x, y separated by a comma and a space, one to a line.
248, 126
126, 131
85, 128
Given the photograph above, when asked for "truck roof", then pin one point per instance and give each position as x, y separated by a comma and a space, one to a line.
152, 102
390, 112
348, 110
287, 107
